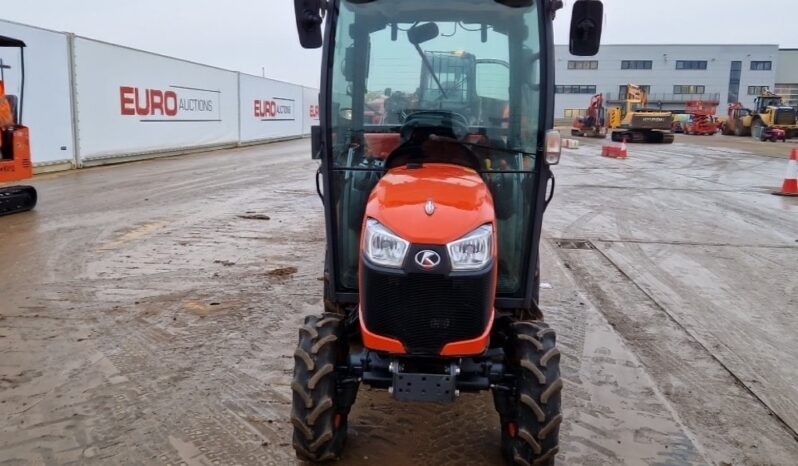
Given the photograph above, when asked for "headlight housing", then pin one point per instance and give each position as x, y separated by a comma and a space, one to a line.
473, 251
383, 247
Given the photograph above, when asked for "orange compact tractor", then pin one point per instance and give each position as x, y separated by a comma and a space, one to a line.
592, 125
433, 221
15, 163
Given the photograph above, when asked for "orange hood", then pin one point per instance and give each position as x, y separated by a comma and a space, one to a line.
462, 202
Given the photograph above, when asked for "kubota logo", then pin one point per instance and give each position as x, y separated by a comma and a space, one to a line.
428, 259
178, 103
275, 109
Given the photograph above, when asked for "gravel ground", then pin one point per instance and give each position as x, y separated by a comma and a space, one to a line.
149, 313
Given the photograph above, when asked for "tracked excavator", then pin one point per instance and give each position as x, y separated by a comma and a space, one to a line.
636, 123
592, 125
15, 161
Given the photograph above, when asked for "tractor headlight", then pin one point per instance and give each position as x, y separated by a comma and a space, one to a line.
473, 251
383, 247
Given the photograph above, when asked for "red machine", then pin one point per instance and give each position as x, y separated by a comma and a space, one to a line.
592, 124
15, 162
702, 118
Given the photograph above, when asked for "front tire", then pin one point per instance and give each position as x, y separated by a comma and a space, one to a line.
319, 421
758, 130
530, 433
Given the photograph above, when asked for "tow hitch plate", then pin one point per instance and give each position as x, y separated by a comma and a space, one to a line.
424, 387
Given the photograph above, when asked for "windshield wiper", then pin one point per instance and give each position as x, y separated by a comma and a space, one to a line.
436, 138
430, 69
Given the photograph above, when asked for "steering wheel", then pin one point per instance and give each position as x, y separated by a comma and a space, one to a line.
426, 125
439, 122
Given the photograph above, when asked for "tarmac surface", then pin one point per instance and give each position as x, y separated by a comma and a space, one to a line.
149, 312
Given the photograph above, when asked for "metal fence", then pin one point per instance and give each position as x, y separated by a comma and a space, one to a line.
667, 98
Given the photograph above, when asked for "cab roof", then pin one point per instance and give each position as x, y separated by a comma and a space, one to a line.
10, 42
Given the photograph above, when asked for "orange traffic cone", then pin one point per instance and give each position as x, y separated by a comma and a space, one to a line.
623, 153
790, 186
615, 152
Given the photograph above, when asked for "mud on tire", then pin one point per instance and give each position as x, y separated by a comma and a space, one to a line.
530, 435
319, 422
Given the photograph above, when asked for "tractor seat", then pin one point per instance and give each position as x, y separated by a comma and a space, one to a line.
8, 106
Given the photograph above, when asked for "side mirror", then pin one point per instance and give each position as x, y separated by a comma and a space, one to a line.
315, 142
586, 22
308, 22
422, 33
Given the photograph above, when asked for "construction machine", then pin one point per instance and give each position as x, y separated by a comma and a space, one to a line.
637, 123
433, 222
769, 113
738, 121
448, 80
702, 119
15, 161
592, 125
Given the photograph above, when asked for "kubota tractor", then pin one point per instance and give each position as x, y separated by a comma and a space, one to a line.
15, 162
433, 222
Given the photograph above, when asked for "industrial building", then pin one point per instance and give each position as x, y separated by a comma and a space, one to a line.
675, 74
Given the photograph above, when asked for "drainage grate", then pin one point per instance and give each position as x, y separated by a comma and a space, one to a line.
574, 244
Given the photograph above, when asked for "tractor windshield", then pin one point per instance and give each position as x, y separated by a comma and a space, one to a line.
475, 61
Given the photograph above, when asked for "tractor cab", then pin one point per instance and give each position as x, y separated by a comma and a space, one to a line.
766, 100
436, 147
15, 158
441, 118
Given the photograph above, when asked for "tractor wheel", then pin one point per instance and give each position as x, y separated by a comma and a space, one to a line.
757, 130
319, 423
530, 434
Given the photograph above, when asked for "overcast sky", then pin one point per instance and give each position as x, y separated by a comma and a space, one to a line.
246, 35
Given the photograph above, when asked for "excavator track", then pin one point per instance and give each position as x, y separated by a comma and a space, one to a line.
16, 199
643, 137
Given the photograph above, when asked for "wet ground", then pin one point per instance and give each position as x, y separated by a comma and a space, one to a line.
148, 314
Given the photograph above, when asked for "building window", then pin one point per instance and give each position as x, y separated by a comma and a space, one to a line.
623, 89
789, 92
636, 64
582, 64
761, 65
691, 64
575, 112
757, 90
688, 89
734, 81
575, 89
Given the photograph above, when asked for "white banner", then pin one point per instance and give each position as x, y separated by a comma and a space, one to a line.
269, 109
46, 100
310, 99
132, 102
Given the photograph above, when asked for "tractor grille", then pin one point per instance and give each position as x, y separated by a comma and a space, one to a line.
785, 116
425, 311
